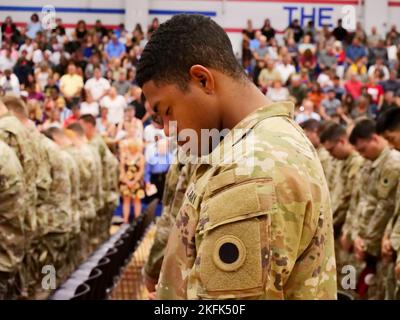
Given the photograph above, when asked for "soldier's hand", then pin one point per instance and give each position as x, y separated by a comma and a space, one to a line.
387, 250
150, 284
397, 271
359, 248
345, 242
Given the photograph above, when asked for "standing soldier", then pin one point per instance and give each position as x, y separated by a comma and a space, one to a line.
344, 193
92, 159
18, 108
15, 135
57, 210
73, 239
12, 214
177, 180
110, 175
388, 125
256, 220
383, 178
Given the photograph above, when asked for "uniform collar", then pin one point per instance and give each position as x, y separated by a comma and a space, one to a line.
278, 109
385, 152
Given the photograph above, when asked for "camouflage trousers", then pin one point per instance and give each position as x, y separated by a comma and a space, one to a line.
85, 238
8, 286
103, 223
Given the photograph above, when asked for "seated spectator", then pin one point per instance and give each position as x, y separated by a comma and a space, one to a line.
131, 127
306, 45
376, 92
373, 38
297, 89
10, 83
308, 61
361, 109
9, 30
337, 86
389, 102
7, 62
115, 49
307, 112
71, 85
53, 121
286, 68
327, 58
122, 85
294, 31
330, 105
358, 68
105, 127
277, 92
90, 106
316, 95
378, 52
325, 78
355, 51
268, 75
391, 84
261, 52
74, 117
267, 30
115, 104
379, 67
97, 86
354, 86
34, 26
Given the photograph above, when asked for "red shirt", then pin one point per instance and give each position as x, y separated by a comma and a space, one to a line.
69, 120
354, 88
375, 91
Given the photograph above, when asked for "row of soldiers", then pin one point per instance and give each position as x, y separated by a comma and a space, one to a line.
58, 190
362, 167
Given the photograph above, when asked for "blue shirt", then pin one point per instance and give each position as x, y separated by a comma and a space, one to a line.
115, 50
355, 52
157, 164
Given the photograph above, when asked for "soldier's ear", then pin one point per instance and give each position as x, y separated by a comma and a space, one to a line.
203, 78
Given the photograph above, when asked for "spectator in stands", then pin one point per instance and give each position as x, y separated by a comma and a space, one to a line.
267, 30
297, 89
376, 92
90, 106
81, 31
380, 67
307, 112
268, 75
104, 126
131, 177
286, 68
391, 84
355, 51
97, 86
316, 95
373, 38
262, 51
115, 49
339, 32
6, 60
294, 31
354, 86
10, 83
277, 92
74, 117
330, 104
122, 84
34, 26
71, 85
115, 104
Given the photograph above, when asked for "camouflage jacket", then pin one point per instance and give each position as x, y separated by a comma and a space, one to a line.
12, 210
256, 221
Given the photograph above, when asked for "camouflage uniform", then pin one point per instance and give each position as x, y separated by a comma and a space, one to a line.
73, 237
343, 198
392, 285
12, 214
56, 212
177, 180
327, 162
87, 191
99, 199
110, 183
257, 223
15, 135
382, 182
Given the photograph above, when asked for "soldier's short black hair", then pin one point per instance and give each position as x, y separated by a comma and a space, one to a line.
332, 132
77, 128
364, 129
88, 118
388, 120
181, 42
310, 125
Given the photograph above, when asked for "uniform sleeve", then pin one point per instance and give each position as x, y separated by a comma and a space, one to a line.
384, 210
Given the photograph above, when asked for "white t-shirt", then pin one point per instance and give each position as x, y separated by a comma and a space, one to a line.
115, 108
90, 108
97, 87
285, 71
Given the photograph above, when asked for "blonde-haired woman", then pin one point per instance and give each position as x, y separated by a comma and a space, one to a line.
131, 177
